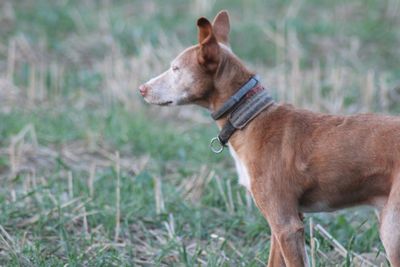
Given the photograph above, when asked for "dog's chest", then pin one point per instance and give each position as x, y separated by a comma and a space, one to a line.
244, 177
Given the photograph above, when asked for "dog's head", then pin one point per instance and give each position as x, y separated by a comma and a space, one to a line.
190, 78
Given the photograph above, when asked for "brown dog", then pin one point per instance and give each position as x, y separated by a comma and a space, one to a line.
291, 160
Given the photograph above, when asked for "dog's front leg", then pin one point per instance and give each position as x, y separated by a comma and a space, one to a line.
286, 226
275, 256
290, 236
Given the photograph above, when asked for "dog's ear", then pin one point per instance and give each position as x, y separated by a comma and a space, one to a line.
222, 27
208, 54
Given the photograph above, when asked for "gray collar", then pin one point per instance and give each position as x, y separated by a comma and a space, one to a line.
251, 99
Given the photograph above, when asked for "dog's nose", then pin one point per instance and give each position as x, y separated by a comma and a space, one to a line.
143, 89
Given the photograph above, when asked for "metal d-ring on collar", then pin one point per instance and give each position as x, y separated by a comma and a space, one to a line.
216, 145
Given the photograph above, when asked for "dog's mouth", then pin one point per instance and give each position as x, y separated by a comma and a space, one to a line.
166, 103
159, 103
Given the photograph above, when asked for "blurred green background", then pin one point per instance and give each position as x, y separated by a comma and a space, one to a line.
92, 176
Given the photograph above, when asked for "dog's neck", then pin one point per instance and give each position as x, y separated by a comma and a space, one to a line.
229, 77
238, 99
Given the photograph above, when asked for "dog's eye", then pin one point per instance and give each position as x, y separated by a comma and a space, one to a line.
175, 68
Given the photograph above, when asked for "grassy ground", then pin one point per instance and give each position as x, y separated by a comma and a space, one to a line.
91, 176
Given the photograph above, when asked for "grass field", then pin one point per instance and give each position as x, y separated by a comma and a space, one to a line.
92, 176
